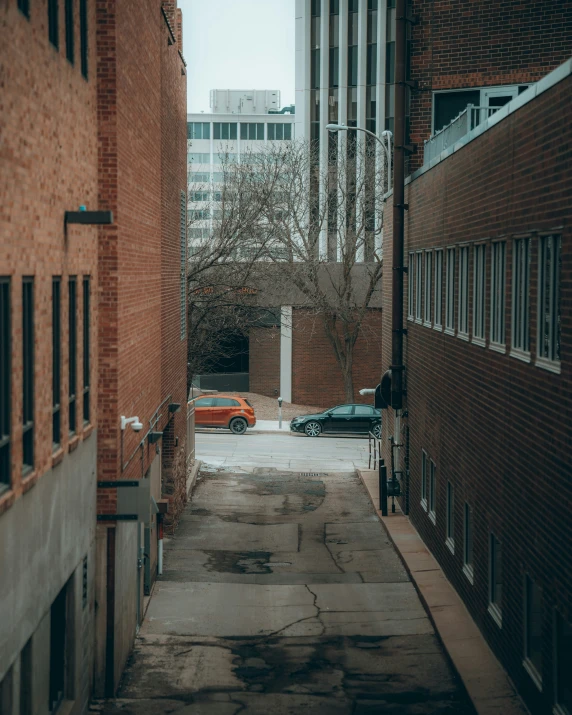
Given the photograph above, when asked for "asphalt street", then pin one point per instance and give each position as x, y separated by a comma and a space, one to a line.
282, 594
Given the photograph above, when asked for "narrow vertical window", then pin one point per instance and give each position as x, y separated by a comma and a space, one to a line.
450, 541
479, 275
549, 299
498, 284
53, 23
56, 361
70, 31
5, 382
424, 468
27, 375
438, 310
432, 491
183, 267
72, 353
86, 349
468, 543
57, 651
83, 36
24, 7
563, 664
495, 579
410, 284
26, 679
428, 288
533, 630
450, 292
418, 284
463, 325
520, 295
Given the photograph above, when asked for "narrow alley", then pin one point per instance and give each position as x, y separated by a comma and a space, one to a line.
282, 594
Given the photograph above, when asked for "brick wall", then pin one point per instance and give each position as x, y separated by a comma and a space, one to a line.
264, 361
497, 428
316, 376
494, 44
48, 164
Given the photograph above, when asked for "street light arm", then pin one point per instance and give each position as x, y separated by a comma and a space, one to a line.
387, 133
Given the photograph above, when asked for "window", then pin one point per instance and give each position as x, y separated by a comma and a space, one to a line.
199, 214
450, 526
424, 461
200, 196
56, 361
280, 131
28, 375
252, 131
199, 177
495, 578
72, 352
428, 288
410, 286
26, 679
438, 309
468, 543
69, 31
183, 267
343, 410
5, 382
224, 130
218, 177
448, 105
563, 664
198, 130
432, 491
57, 651
533, 630
450, 292
83, 35
24, 7
363, 410
226, 402
198, 157
520, 299
225, 157
86, 349
479, 276
53, 27
199, 233
418, 274
463, 325
498, 282
205, 402
549, 298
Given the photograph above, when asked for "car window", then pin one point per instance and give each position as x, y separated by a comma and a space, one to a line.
248, 403
204, 402
363, 410
343, 410
226, 402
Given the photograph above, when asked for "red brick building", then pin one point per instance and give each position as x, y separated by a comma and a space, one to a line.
485, 430
92, 327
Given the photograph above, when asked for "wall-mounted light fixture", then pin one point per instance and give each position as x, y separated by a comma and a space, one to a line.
174, 407
154, 437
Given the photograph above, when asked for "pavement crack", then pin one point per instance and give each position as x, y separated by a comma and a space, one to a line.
324, 539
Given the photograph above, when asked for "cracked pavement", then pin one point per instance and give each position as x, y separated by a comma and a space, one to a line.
282, 594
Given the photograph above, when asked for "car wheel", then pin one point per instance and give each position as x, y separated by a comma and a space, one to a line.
238, 425
313, 429
376, 431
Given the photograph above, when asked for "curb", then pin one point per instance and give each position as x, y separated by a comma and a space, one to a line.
192, 477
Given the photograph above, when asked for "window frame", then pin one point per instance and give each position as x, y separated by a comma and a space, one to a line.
86, 301
424, 460
56, 363
438, 290
69, 30
410, 287
28, 375
5, 383
24, 8
450, 517
463, 310
433, 491
529, 665
551, 360
497, 328
520, 308
428, 289
53, 23
479, 293
83, 36
495, 602
223, 128
72, 355
468, 542
418, 286
450, 290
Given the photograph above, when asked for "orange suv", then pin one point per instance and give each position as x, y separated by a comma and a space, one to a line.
229, 411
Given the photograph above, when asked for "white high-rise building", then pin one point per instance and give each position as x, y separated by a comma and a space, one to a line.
221, 136
244, 101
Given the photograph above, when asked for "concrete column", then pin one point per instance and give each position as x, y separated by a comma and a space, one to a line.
380, 113
303, 26
324, 107
343, 114
286, 353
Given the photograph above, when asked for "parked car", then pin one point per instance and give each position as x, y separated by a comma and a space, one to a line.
229, 411
359, 419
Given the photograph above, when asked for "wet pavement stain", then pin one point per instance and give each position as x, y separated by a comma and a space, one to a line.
239, 561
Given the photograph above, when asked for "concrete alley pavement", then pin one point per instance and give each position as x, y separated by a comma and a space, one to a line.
282, 594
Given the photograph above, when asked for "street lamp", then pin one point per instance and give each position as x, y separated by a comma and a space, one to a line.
386, 134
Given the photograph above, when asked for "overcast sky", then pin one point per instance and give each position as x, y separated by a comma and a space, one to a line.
238, 44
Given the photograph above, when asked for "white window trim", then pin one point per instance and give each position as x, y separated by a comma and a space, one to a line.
450, 295
494, 610
432, 491
449, 508
497, 348
468, 571
411, 287
493, 344
517, 351
462, 334
428, 290
479, 340
495, 613
450, 544
520, 355
541, 360
550, 365
438, 291
534, 674
424, 460
419, 287
467, 567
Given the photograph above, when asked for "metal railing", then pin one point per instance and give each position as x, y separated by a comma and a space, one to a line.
374, 451
467, 120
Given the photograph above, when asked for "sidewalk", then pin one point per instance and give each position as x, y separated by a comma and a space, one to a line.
487, 683
270, 426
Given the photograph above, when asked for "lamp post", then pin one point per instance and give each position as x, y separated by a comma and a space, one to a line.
385, 134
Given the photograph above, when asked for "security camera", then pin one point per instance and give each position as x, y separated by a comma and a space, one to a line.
136, 426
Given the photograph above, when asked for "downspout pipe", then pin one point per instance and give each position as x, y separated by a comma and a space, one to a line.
398, 208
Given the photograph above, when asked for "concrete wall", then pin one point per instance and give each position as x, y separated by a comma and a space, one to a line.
45, 537
128, 590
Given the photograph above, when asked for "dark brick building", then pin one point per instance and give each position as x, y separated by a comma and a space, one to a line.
92, 328
485, 431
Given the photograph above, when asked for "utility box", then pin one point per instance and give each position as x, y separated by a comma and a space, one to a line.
244, 101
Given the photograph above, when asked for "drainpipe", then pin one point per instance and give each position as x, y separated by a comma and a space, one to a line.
398, 209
